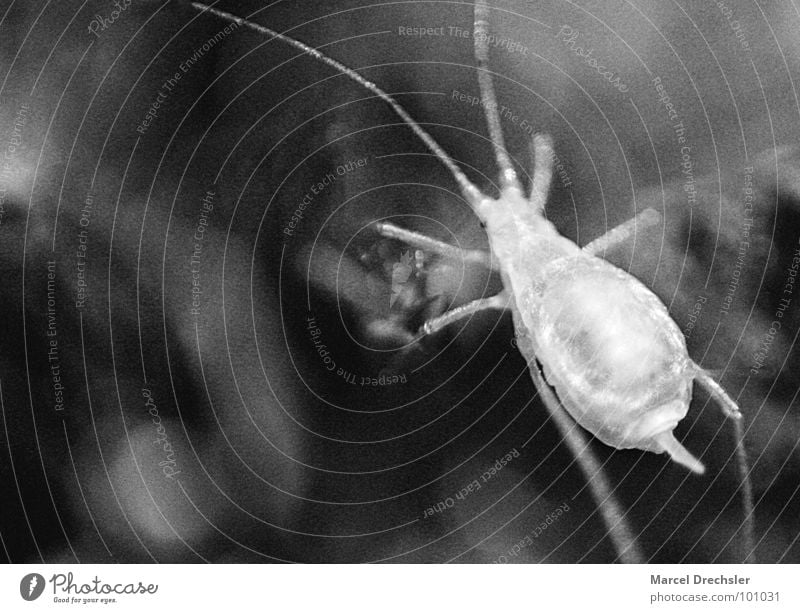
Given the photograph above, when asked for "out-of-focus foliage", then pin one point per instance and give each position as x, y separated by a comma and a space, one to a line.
282, 457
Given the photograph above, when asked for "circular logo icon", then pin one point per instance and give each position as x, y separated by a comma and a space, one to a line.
31, 586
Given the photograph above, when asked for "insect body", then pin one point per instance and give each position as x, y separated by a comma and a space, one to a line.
607, 344
609, 348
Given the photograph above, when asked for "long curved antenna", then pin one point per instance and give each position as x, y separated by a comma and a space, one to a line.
468, 189
508, 177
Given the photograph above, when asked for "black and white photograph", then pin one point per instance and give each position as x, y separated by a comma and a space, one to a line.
416, 282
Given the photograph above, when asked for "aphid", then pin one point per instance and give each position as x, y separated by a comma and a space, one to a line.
616, 359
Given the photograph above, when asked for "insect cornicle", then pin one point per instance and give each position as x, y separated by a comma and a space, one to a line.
607, 344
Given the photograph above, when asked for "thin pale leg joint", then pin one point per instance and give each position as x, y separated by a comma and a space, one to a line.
616, 236
432, 326
726, 403
542, 150
426, 243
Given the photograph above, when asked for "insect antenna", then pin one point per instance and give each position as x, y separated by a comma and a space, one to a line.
468, 189
508, 176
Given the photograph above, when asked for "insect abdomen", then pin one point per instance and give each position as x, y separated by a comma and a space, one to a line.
609, 348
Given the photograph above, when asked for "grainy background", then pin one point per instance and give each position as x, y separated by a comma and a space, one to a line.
283, 459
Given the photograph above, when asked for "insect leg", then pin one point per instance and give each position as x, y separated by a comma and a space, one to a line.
542, 149
508, 177
432, 326
426, 243
748, 506
612, 238
726, 403
603, 493
731, 410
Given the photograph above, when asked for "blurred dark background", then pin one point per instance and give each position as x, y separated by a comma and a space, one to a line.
209, 425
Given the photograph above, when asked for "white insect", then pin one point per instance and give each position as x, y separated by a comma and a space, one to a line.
607, 344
